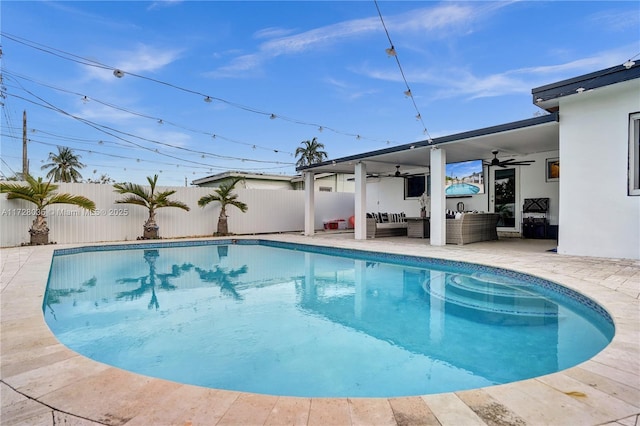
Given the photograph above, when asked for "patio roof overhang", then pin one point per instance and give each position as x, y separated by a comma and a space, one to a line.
518, 138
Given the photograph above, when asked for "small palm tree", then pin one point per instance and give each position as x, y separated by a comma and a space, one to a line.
310, 153
42, 194
64, 166
225, 196
139, 195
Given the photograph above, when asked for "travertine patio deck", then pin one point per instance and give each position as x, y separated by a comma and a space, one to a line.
44, 383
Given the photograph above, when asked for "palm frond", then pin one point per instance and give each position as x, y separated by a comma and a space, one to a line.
76, 200
203, 201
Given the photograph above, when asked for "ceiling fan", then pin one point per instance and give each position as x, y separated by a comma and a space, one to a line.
398, 174
508, 162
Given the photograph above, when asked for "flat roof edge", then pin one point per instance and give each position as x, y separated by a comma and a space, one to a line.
594, 80
485, 131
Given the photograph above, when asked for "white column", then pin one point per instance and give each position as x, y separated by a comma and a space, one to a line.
438, 198
360, 210
309, 204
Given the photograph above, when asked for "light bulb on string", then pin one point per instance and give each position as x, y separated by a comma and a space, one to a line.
407, 93
207, 99
391, 51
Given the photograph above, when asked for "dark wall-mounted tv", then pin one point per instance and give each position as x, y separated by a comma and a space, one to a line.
464, 178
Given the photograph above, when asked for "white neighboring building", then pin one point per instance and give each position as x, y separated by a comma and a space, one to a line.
250, 180
325, 182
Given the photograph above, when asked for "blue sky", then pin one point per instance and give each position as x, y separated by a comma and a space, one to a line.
319, 67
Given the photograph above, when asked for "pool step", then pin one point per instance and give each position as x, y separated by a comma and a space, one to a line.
492, 294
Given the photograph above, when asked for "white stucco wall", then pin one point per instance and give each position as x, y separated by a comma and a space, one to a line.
597, 217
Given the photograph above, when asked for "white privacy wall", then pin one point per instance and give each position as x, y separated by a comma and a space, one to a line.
269, 211
597, 217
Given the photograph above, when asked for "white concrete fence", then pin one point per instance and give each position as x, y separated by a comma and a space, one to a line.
269, 211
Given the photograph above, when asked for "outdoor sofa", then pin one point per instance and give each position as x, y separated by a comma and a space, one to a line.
386, 225
472, 227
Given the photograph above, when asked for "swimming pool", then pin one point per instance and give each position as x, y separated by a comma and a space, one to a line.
461, 189
288, 319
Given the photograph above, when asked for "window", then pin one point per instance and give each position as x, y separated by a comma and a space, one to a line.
634, 154
325, 189
415, 186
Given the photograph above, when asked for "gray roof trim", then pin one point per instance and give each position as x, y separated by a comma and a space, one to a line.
548, 118
590, 81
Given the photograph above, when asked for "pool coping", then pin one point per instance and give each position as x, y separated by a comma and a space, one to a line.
43, 379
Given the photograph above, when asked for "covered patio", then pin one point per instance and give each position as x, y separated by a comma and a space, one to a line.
518, 140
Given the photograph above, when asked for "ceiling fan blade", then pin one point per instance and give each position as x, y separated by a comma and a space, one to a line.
508, 161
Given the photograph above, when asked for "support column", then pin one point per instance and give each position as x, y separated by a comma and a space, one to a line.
438, 198
360, 210
309, 204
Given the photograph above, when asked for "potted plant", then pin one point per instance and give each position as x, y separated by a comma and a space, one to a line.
42, 194
152, 200
425, 204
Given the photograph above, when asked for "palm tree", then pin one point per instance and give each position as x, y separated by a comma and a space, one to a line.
139, 195
64, 166
42, 194
225, 196
310, 153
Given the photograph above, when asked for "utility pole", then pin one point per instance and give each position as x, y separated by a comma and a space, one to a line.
25, 161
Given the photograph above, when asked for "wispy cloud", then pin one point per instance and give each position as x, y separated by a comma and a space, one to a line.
142, 58
450, 82
426, 20
348, 91
163, 3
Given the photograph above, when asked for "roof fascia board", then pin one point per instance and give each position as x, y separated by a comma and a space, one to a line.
585, 82
515, 125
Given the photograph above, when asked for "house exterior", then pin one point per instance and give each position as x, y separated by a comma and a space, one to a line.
582, 154
599, 199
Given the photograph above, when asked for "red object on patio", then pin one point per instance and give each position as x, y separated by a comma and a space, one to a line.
352, 222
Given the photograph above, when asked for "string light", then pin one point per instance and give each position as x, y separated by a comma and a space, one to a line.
391, 51
120, 73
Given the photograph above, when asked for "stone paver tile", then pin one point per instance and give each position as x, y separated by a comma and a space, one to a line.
63, 419
112, 396
289, 411
376, 411
329, 411
17, 363
612, 373
599, 402
629, 421
249, 409
537, 403
450, 410
187, 405
488, 409
43, 380
616, 389
412, 411
16, 409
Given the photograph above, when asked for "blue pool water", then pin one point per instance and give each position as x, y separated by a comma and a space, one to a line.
284, 319
461, 189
